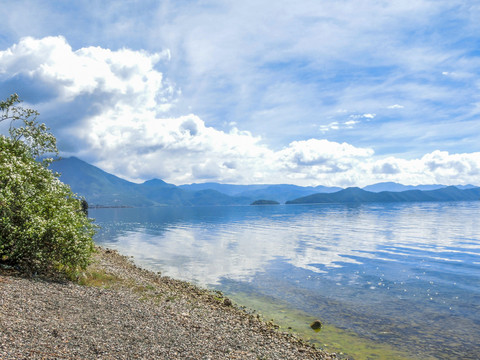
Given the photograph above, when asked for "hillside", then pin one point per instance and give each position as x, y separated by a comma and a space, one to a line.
97, 186
103, 189
357, 195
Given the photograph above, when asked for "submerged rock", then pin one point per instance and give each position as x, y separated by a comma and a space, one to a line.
227, 302
316, 325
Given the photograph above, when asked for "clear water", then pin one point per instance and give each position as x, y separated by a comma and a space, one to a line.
407, 275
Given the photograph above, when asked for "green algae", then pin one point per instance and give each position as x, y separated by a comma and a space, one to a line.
346, 344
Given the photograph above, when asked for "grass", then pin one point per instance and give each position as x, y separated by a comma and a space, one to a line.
98, 278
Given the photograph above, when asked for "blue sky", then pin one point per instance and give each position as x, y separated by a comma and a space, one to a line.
305, 92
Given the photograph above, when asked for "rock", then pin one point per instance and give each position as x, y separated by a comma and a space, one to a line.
227, 302
316, 325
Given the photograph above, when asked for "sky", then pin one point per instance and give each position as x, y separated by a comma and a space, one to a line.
311, 92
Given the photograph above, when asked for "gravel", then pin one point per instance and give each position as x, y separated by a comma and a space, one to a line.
132, 313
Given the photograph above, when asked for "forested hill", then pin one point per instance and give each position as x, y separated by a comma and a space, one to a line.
357, 195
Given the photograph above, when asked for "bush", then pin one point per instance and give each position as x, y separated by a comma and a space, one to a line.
42, 225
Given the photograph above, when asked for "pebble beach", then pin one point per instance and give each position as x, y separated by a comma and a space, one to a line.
120, 311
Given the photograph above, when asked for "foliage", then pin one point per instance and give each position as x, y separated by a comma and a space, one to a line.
42, 225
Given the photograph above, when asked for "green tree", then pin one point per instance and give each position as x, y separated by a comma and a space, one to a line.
42, 225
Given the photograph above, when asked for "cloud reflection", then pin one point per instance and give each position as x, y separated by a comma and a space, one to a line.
319, 239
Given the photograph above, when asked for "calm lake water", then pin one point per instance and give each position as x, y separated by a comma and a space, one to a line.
387, 280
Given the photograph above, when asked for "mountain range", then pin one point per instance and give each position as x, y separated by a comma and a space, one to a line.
100, 188
395, 187
357, 195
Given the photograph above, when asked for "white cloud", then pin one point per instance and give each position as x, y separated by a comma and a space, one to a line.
335, 125
129, 125
181, 149
445, 165
322, 161
291, 64
122, 73
350, 123
320, 152
363, 116
437, 167
458, 75
332, 126
396, 106
307, 60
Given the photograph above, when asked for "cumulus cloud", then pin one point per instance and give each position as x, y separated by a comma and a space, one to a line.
446, 165
437, 167
119, 110
386, 167
126, 74
294, 65
324, 153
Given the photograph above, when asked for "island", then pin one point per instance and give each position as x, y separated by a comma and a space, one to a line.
265, 202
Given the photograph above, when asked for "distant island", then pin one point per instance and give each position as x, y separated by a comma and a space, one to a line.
265, 202
102, 189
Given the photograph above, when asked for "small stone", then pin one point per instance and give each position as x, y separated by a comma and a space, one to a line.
227, 302
316, 325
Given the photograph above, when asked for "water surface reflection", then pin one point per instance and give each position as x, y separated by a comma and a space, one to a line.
381, 267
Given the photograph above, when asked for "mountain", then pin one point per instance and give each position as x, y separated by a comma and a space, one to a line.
162, 193
465, 187
357, 195
97, 186
103, 189
227, 189
396, 187
214, 198
280, 192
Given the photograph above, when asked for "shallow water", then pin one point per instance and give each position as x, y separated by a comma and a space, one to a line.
405, 276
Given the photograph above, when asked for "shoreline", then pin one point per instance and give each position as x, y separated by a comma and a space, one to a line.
120, 311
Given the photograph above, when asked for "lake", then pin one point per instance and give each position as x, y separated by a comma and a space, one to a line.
397, 281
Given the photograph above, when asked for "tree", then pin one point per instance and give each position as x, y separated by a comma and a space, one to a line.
42, 225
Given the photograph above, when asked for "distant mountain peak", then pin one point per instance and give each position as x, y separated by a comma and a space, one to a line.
396, 187
154, 181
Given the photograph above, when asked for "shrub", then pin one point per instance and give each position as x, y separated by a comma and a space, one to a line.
42, 225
